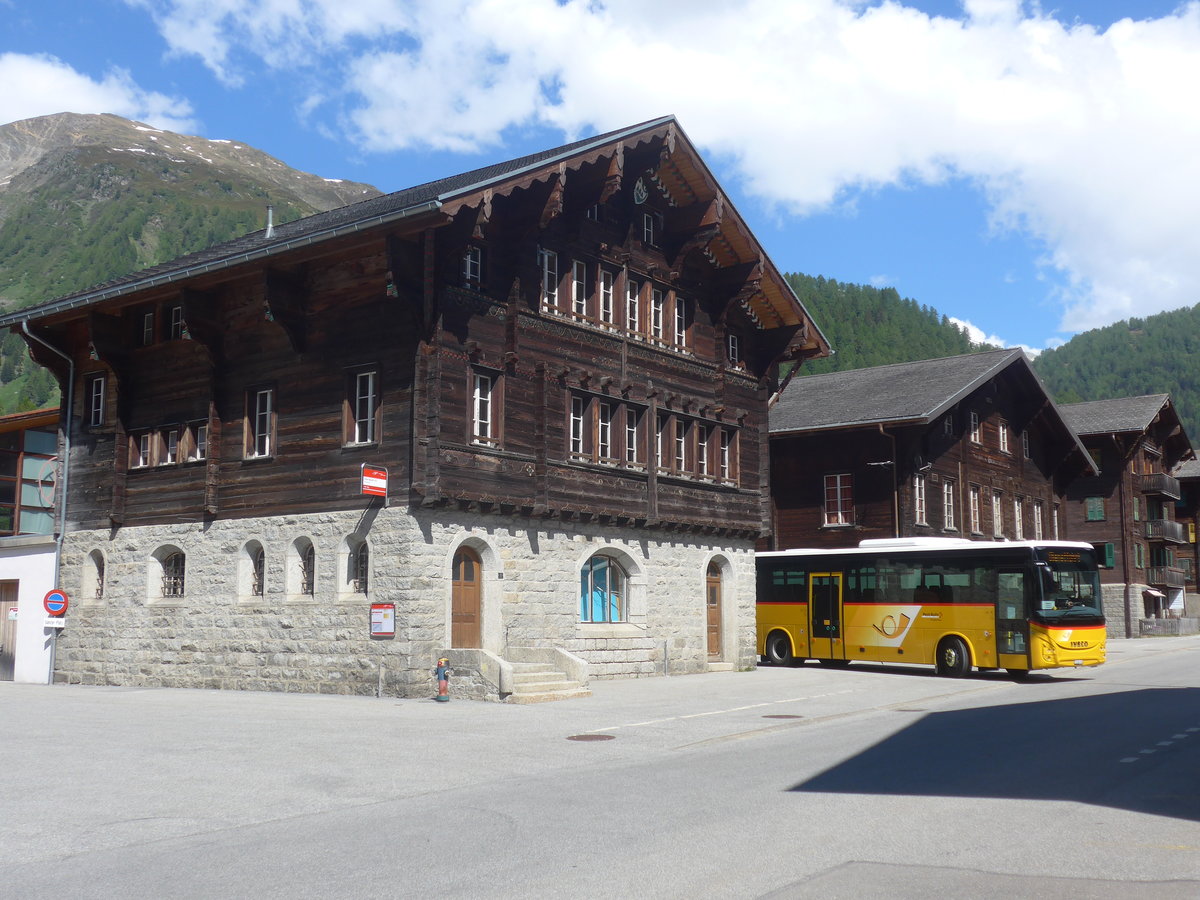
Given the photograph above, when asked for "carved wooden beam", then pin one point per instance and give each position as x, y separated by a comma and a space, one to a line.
201, 322
283, 303
554, 203
614, 180
484, 217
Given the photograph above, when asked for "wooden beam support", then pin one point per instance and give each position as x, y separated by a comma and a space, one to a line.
283, 302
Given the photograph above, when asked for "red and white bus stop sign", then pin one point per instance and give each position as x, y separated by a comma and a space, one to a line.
56, 602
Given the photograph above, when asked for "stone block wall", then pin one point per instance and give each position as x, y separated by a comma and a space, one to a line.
218, 634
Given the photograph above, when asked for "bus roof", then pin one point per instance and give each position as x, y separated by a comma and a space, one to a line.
924, 544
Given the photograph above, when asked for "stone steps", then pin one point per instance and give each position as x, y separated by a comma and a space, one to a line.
538, 683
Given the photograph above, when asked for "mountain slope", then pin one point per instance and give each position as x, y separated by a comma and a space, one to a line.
1153, 355
86, 198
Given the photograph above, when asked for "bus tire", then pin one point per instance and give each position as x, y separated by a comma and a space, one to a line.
779, 649
953, 660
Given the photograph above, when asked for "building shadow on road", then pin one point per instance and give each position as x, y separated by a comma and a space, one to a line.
1134, 750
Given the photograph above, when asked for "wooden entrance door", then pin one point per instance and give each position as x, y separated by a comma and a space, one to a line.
712, 581
465, 599
8, 629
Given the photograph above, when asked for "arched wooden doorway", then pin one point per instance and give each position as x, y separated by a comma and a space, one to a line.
465, 599
712, 582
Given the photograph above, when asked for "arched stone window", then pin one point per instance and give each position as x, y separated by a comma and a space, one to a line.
302, 569
252, 571
93, 578
603, 595
358, 567
173, 571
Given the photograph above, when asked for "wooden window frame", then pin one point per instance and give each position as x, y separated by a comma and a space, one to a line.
681, 337
728, 457
634, 419
949, 517
1038, 524
1018, 518
998, 513
176, 325
733, 350
1094, 509
548, 263
148, 329
633, 310
975, 509
976, 436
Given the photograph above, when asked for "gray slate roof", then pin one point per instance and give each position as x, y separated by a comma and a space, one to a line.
916, 392
344, 219
1188, 470
1112, 416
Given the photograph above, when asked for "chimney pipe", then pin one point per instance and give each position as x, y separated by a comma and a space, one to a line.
270, 222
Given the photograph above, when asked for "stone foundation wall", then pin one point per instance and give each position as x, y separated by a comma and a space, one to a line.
218, 634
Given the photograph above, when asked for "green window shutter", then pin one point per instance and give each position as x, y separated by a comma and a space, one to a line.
1109, 556
1095, 509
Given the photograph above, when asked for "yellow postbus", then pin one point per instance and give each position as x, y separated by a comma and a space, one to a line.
951, 603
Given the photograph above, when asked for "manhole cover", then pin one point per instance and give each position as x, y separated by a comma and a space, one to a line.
591, 737
782, 716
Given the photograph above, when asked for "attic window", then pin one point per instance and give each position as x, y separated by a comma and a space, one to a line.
472, 267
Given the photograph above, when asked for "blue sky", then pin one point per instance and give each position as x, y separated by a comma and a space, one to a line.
1030, 169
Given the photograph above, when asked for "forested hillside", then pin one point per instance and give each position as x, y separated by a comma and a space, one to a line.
1155, 355
87, 198
870, 326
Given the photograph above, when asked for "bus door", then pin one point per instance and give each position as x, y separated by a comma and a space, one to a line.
1013, 587
825, 615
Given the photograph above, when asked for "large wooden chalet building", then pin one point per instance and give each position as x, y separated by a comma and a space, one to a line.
966, 446
563, 362
1127, 509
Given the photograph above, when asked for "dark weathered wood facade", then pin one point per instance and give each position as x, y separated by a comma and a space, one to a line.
852, 453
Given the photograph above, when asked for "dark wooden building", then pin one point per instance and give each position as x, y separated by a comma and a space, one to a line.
1128, 509
967, 446
562, 362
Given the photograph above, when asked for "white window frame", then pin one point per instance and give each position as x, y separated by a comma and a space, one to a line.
262, 422
147, 328
1025, 444
733, 349
976, 508
604, 443
998, 513
976, 437
633, 447
726, 467
175, 327
607, 281
141, 450
657, 307
633, 292
840, 487
920, 512
579, 288
548, 261
199, 445
1018, 518
681, 320
1037, 520
472, 267
1003, 437
482, 409
96, 390
171, 447
949, 521
702, 436
366, 407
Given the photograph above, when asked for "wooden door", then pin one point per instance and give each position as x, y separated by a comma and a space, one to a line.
465, 600
8, 629
712, 581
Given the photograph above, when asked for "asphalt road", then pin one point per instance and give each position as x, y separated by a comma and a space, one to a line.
789, 783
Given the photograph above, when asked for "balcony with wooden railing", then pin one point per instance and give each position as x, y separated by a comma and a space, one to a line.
1165, 576
1161, 484
1166, 530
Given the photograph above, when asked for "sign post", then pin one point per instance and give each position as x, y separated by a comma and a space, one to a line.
55, 603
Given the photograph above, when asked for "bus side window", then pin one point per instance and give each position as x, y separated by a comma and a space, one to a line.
1010, 595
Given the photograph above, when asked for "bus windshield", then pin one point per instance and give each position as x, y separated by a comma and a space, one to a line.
1070, 586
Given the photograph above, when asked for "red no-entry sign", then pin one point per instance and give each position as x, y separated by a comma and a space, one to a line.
56, 602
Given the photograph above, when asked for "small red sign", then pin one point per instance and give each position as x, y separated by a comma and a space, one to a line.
374, 480
56, 602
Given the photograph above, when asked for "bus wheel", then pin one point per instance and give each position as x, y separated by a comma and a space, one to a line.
779, 649
952, 658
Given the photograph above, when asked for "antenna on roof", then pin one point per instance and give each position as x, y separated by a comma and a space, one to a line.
270, 222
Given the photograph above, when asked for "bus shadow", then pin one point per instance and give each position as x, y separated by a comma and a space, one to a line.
915, 670
1133, 750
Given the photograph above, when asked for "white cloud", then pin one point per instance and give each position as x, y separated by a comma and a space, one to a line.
978, 336
46, 85
1084, 140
